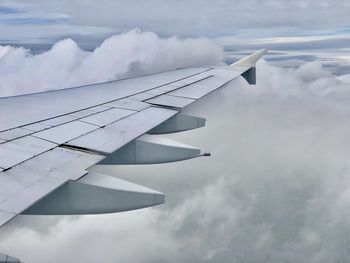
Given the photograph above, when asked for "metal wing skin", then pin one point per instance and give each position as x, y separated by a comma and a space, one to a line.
49, 140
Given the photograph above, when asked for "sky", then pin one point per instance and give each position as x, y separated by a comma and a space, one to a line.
277, 187
40, 20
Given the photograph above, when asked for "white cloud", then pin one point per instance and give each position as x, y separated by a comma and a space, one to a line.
275, 190
129, 54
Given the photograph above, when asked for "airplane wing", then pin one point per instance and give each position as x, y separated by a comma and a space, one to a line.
49, 140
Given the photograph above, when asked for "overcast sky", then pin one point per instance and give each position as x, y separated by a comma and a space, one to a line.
41, 20
277, 188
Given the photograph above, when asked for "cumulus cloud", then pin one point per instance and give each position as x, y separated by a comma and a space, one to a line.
275, 190
124, 55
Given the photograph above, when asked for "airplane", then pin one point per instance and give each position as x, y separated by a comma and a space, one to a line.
48, 140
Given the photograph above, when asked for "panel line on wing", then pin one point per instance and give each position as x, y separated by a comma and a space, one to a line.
66, 103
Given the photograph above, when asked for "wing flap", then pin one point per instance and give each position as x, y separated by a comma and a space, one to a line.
117, 134
201, 88
22, 149
28, 182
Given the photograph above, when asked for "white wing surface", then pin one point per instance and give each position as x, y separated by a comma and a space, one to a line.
48, 140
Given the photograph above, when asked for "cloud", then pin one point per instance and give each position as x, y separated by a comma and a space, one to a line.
193, 18
8, 10
275, 190
124, 55
30, 20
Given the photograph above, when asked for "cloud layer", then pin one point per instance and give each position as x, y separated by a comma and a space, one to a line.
125, 55
186, 18
275, 190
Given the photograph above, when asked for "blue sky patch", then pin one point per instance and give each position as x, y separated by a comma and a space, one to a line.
9, 10
33, 21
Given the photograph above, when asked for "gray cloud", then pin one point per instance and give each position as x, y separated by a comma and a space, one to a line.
275, 190
185, 17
